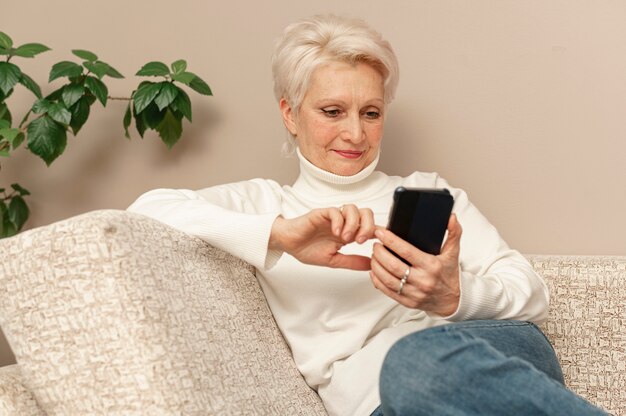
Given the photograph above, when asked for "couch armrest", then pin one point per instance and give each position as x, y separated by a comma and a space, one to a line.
587, 324
15, 398
113, 312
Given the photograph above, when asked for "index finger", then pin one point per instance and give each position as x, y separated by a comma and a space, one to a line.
402, 248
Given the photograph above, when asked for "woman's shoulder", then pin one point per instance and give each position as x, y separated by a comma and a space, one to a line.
251, 188
419, 179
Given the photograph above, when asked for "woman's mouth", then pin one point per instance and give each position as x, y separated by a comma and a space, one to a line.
349, 154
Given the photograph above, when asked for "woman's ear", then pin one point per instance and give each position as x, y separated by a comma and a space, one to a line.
288, 116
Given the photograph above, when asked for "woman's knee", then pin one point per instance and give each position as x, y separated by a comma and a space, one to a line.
419, 369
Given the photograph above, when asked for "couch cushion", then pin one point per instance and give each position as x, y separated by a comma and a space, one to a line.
114, 313
587, 324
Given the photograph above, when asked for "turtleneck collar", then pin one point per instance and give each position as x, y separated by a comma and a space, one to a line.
318, 183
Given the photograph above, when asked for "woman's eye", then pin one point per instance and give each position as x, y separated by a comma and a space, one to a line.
332, 112
372, 115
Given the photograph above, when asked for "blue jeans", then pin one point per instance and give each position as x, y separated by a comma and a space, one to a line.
476, 368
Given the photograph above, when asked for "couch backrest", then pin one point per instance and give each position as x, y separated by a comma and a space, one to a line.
587, 324
111, 312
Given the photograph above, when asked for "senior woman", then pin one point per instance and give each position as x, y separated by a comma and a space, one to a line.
455, 337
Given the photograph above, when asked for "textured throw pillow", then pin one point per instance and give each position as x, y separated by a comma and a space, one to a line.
114, 313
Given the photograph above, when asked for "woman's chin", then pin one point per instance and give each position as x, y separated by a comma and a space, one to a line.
347, 169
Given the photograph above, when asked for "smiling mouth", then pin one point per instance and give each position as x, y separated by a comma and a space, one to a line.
349, 154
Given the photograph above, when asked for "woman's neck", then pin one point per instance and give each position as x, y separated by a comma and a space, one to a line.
316, 182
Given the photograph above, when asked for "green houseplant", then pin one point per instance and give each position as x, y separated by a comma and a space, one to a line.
154, 105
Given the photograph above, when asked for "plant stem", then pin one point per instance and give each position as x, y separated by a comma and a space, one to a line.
7, 197
119, 98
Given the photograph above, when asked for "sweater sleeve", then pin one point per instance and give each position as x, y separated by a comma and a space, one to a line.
236, 217
496, 281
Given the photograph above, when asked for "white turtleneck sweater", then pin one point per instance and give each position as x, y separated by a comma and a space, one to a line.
339, 327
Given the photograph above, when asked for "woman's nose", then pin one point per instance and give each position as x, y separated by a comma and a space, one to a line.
353, 129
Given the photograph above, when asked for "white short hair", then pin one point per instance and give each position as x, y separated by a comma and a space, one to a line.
308, 43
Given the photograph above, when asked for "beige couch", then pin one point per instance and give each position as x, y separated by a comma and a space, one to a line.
114, 313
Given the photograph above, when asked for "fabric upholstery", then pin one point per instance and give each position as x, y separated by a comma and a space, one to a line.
114, 313
587, 324
15, 398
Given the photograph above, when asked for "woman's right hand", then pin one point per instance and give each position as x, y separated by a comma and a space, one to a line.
317, 236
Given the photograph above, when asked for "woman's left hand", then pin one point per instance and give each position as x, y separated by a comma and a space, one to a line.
432, 282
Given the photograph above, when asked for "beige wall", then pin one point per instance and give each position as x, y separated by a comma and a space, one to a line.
521, 103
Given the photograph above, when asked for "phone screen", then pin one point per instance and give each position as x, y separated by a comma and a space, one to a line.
420, 216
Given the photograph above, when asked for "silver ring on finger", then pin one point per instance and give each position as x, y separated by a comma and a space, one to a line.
404, 279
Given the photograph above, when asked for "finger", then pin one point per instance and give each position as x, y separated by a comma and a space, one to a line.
336, 220
351, 221
452, 246
381, 281
402, 248
393, 265
367, 225
380, 285
350, 261
401, 299
384, 276
392, 280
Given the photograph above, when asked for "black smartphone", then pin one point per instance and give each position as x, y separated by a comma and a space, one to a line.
420, 216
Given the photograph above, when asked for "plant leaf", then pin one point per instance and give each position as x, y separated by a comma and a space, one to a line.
167, 94
7, 228
154, 69
144, 95
65, 69
9, 134
46, 138
86, 55
5, 114
19, 139
80, 113
139, 123
29, 83
90, 98
152, 116
98, 89
19, 189
98, 68
182, 103
10, 75
113, 73
41, 106
71, 94
184, 77
179, 66
56, 94
170, 129
5, 41
127, 119
29, 50
59, 113
18, 211
198, 85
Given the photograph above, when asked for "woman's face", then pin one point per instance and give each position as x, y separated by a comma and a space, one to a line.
340, 122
